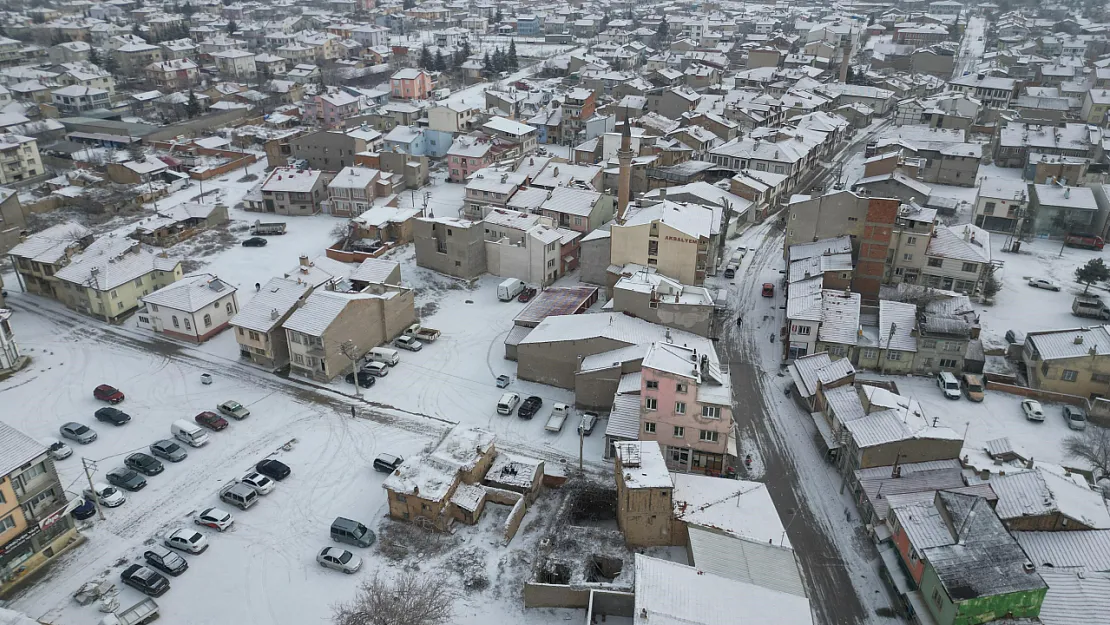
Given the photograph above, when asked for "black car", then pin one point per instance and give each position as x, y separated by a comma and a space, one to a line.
273, 469
126, 479
143, 463
165, 560
115, 416
387, 463
365, 379
529, 408
255, 242
145, 580
85, 510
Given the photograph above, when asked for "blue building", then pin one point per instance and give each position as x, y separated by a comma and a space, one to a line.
529, 26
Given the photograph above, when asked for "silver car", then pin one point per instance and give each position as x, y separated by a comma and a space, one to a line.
339, 559
78, 432
169, 450
1075, 417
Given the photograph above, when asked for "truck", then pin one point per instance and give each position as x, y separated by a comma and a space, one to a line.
1085, 241
422, 333
509, 289
263, 228
1090, 306
559, 414
142, 612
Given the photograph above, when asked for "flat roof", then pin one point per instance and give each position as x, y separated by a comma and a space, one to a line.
556, 301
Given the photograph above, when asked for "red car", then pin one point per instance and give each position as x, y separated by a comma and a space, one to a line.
768, 289
211, 420
107, 393
526, 295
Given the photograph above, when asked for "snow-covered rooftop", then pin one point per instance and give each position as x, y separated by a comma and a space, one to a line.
270, 304
643, 465
191, 293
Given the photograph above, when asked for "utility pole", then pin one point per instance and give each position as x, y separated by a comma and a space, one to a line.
581, 443
889, 336
350, 350
90, 467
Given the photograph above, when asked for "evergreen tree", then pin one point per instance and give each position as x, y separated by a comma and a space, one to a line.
1094, 271
662, 34
487, 65
232, 27
426, 61
513, 62
465, 49
440, 64
94, 56
497, 17
192, 106
111, 64
188, 9
137, 30
499, 60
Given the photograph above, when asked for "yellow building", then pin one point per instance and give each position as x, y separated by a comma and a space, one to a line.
672, 238
35, 526
109, 278
38, 258
1075, 361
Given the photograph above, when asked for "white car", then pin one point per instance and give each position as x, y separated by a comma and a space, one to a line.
260, 483
1041, 283
108, 496
216, 518
58, 449
187, 540
1032, 409
338, 559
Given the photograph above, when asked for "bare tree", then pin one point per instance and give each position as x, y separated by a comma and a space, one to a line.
1093, 445
410, 600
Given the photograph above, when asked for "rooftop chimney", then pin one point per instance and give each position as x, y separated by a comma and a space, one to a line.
304, 260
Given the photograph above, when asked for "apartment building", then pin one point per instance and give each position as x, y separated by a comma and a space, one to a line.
175, 75
331, 109
13, 223
958, 259
992, 91
74, 100
516, 133
19, 158
237, 65
332, 150
672, 238
1000, 204
35, 525
411, 84
109, 278
1074, 361
258, 326
352, 191
38, 257
579, 105
290, 191
455, 247
134, 57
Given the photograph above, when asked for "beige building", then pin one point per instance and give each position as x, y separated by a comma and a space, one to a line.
109, 279
654, 297
289, 191
645, 494
332, 326
672, 238
258, 329
19, 158
1074, 361
352, 191
13, 223
450, 246
38, 257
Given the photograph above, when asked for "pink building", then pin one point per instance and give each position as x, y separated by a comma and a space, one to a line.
466, 156
686, 405
330, 109
411, 84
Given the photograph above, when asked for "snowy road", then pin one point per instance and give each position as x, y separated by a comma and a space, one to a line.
971, 47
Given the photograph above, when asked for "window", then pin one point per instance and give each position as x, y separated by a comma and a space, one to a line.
6, 524
114, 295
299, 359
1095, 377
188, 324
679, 431
295, 337
929, 343
650, 403
208, 321
911, 240
139, 281
988, 208
970, 267
680, 455
711, 412
1069, 375
869, 353
708, 436
680, 407
907, 257
32, 473
653, 248
680, 388
953, 346
936, 262
651, 385
230, 308
153, 308
937, 598
893, 355
804, 330
649, 427
948, 363
836, 350
175, 322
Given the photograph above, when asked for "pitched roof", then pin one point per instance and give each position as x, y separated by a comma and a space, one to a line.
49, 246
964, 242
276, 298
106, 264
756, 562
318, 312
191, 293
1083, 550
17, 449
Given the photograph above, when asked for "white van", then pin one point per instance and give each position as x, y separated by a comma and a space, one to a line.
189, 433
509, 289
507, 404
384, 355
949, 385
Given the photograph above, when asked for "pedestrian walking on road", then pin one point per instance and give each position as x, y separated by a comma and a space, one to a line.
739, 320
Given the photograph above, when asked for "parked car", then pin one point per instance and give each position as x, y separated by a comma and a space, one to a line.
339, 559
529, 407
58, 449
768, 289
260, 483
233, 409
211, 420
1075, 417
112, 415
527, 294
507, 404
376, 368
1015, 336
143, 463
77, 432
589, 420
187, 540
126, 479
107, 393
273, 469
1041, 283
1032, 409
85, 510
365, 379
948, 385
107, 496
165, 560
503, 381
387, 463
215, 518
145, 580
409, 343
254, 242
169, 450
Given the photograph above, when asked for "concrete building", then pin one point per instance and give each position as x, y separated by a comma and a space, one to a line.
523, 246
237, 65
410, 84
35, 525
958, 259
169, 76
258, 329
516, 133
450, 246
1059, 209
352, 191
19, 158
1001, 204
13, 222
289, 191
1073, 361
452, 117
672, 238
10, 358
332, 150
654, 297
111, 276
195, 308
38, 257
74, 100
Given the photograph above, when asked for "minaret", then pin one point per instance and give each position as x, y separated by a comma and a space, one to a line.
624, 156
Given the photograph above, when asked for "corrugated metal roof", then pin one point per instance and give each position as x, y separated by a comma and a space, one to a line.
1022, 494
839, 317
17, 449
964, 242
319, 311
902, 316
580, 202
804, 371
1075, 343
769, 566
615, 326
269, 305
1073, 599
624, 419
924, 525
835, 245
630, 383
191, 293
1087, 550
845, 404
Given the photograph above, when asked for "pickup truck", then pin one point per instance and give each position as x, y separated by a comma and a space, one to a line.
422, 333
1090, 306
559, 414
1085, 241
142, 612
268, 228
